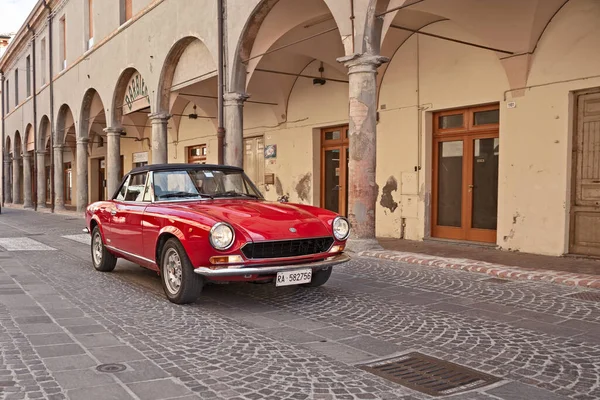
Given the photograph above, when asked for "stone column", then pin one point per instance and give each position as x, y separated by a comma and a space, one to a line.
113, 159
27, 189
82, 174
234, 128
41, 179
16, 179
363, 189
159, 137
59, 179
7, 188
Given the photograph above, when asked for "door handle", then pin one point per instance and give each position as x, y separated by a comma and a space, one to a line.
113, 212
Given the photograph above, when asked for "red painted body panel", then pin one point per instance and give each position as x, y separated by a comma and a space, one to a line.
137, 227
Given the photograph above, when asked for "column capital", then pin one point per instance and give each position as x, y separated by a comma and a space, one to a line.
27, 155
110, 131
58, 146
83, 140
235, 98
44, 152
159, 117
362, 62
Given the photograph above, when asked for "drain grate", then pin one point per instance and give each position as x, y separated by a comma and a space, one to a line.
111, 368
495, 280
588, 296
429, 375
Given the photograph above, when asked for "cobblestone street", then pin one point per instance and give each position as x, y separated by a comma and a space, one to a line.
60, 319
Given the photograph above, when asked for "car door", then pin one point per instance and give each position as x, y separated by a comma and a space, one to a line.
127, 216
107, 214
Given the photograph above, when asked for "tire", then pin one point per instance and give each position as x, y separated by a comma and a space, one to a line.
102, 259
180, 283
319, 278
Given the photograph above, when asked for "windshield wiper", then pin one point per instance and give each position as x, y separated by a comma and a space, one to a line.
233, 193
179, 195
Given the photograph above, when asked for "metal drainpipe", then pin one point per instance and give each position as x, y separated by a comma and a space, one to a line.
3, 138
220, 129
51, 73
35, 165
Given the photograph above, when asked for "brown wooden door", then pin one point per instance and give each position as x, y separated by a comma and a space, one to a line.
465, 174
585, 209
254, 160
68, 183
334, 169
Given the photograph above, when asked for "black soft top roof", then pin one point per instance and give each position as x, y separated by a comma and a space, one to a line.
179, 166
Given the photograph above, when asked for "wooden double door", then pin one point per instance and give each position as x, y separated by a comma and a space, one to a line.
335, 154
466, 151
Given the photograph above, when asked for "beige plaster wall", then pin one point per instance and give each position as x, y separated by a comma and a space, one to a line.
309, 108
436, 75
536, 191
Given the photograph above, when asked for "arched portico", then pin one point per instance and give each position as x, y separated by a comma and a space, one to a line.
8, 151
17, 168
187, 88
43, 163
28, 156
65, 151
129, 115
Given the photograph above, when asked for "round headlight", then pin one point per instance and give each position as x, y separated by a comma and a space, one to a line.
221, 236
341, 228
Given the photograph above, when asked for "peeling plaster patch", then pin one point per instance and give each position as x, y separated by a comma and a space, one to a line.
387, 200
278, 187
303, 187
358, 113
511, 234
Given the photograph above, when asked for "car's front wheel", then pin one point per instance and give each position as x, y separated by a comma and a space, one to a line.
320, 277
102, 259
180, 283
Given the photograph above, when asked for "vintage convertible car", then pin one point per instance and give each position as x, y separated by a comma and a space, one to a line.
195, 223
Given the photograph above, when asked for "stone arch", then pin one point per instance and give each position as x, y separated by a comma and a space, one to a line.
64, 123
8, 148
92, 107
29, 138
43, 133
17, 145
290, 13
119, 94
164, 101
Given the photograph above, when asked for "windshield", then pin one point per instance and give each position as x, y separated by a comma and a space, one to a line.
202, 183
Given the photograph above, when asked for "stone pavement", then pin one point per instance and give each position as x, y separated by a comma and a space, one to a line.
60, 320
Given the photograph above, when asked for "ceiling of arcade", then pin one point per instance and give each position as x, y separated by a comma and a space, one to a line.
510, 28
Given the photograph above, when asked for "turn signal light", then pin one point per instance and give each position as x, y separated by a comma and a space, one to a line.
337, 249
226, 259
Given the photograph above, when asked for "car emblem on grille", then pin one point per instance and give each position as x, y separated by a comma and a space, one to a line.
293, 230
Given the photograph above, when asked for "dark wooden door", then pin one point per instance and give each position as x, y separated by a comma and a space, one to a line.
334, 169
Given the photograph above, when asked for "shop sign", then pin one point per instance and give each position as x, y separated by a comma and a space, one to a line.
136, 95
140, 157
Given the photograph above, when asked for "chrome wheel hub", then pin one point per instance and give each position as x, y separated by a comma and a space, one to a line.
97, 249
172, 271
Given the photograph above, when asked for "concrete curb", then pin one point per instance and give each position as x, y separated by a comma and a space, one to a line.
496, 270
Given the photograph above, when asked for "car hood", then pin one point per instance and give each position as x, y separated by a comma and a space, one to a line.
263, 220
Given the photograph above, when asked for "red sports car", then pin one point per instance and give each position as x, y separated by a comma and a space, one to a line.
195, 223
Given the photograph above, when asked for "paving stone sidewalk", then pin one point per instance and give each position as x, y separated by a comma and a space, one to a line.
497, 270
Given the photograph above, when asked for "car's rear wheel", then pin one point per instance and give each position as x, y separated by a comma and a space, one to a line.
319, 278
180, 283
102, 259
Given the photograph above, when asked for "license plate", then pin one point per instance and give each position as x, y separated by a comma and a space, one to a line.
295, 277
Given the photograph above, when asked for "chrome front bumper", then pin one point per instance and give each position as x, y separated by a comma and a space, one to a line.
236, 270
